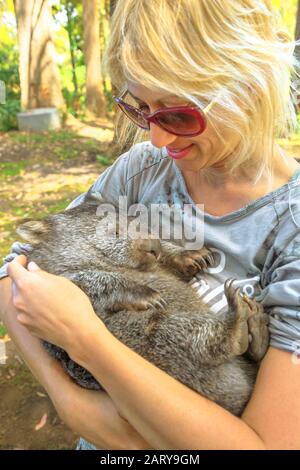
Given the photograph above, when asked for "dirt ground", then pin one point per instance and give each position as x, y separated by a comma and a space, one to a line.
27, 416
40, 174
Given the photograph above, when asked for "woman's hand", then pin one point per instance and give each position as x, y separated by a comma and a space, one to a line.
90, 414
51, 307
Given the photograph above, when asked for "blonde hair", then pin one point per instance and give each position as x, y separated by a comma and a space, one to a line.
236, 52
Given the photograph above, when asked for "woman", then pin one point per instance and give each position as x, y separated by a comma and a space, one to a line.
230, 69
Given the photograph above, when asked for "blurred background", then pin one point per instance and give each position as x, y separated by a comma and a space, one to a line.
52, 61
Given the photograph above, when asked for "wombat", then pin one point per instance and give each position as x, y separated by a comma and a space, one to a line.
138, 287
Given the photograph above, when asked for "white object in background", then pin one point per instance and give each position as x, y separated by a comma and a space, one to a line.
2, 92
3, 356
39, 120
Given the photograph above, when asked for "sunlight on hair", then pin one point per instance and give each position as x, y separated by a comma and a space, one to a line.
202, 49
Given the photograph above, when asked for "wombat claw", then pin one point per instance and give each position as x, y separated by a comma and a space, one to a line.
145, 297
161, 304
190, 262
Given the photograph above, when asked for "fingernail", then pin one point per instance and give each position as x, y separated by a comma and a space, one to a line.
32, 266
14, 289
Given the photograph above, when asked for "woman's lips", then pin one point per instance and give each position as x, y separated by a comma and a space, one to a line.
177, 155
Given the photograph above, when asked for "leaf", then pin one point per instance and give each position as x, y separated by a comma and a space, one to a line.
42, 422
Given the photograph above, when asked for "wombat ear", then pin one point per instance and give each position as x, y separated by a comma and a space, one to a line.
33, 231
94, 197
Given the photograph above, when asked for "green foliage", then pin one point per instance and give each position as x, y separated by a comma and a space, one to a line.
105, 161
3, 330
8, 169
9, 68
68, 18
8, 114
288, 11
9, 74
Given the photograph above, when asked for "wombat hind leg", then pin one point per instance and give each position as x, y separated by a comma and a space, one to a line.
251, 333
240, 311
258, 331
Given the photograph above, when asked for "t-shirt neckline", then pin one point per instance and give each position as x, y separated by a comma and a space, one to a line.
257, 203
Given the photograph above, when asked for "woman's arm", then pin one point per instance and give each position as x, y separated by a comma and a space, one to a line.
166, 413
171, 416
88, 413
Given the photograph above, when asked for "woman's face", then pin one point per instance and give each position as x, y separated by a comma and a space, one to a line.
206, 150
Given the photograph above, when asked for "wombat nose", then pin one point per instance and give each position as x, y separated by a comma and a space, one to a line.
149, 246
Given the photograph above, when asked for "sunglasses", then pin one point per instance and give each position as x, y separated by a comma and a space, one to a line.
185, 121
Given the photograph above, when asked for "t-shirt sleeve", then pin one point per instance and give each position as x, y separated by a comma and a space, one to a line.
111, 184
281, 294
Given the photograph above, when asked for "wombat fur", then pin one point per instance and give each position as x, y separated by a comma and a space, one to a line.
138, 288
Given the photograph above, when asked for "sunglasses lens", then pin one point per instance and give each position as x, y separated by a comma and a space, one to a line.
185, 122
181, 123
135, 116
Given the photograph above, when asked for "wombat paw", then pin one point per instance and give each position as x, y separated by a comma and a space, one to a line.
190, 262
145, 297
239, 308
258, 331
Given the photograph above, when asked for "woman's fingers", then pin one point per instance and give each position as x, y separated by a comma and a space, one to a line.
20, 280
16, 269
22, 318
33, 267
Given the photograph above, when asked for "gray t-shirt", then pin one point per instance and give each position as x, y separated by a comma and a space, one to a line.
258, 245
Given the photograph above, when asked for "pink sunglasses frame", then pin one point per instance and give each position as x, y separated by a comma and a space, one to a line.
188, 110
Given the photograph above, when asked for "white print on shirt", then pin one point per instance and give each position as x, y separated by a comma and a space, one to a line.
208, 294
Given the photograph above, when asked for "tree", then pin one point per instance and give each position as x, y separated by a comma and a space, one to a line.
73, 45
94, 89
67, 15
39, 76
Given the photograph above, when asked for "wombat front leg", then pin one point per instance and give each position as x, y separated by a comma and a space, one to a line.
186, 263
112, 292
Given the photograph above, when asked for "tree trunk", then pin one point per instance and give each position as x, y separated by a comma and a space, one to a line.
94, 90
69, 11
39, 75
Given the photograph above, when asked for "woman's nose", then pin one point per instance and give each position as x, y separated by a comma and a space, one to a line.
159, 137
